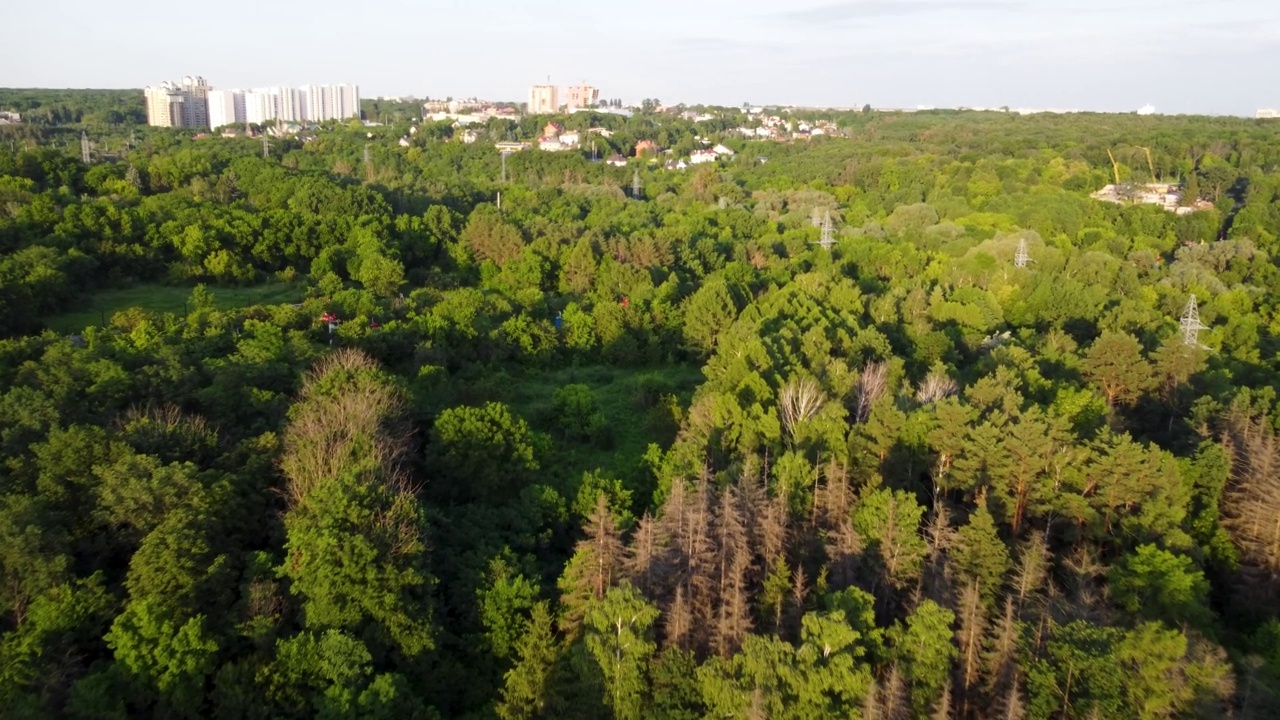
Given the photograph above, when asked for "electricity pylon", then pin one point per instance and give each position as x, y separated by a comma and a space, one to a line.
1021, 258
827, 240
1190, 323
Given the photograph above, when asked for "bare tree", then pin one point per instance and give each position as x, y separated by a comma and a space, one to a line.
969, 635
798, 401
873, 383
333, 420
935, 386
1251, 503
1033, 567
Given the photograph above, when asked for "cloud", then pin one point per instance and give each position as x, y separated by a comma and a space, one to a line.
854, 10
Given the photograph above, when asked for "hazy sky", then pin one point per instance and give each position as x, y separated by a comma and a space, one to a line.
1198, 56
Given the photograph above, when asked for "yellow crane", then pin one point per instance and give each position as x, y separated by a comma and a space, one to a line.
1115, 166
1150, 165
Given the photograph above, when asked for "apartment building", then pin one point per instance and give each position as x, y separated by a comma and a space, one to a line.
226, 107
178, 105
543, 99
580, 96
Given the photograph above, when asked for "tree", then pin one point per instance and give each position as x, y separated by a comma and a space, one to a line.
481, 453
1115, 364
924, 648
529, 691
889, 523
616, 634
980, 555
168, 657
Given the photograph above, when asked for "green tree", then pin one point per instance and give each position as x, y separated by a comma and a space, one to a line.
1115, 364
616, 632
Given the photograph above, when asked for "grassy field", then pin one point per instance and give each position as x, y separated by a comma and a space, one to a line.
631, 425
166, 298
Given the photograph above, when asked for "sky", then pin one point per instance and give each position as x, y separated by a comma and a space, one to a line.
1199, 57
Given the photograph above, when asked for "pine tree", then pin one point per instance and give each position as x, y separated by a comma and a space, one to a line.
528, 691
592, 569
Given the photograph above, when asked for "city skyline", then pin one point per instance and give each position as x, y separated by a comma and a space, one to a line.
1116, 56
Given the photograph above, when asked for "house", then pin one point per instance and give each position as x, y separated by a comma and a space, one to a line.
616, 160
552, 130
697, 157
508, 146
675, 165
469, 136
570, 138
722, 150
602, 132
646, 147
551, 144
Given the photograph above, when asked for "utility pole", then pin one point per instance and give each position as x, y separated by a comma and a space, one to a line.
1190, 323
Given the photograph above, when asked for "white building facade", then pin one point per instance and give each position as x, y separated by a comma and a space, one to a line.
226, 107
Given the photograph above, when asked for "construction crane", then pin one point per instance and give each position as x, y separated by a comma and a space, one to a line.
1115, 166
1150, 164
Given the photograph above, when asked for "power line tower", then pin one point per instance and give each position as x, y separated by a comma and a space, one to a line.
1190, 323
635, 185
1022, 257
827, 240
84, 147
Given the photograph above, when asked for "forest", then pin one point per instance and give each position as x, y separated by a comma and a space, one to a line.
623, 442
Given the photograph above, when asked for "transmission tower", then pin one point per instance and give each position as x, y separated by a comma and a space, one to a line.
1021, 258
635, 185
827, 240
1190, 323
84, 147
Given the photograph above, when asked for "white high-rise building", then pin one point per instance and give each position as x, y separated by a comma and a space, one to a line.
331, 102
293, 107
262, 105
226, 107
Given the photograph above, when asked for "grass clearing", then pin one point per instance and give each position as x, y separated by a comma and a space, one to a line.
167, 299
629, 400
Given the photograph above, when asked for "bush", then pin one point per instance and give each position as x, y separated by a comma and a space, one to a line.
577, 414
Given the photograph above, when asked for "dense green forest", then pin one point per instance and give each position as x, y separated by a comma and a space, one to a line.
578, 454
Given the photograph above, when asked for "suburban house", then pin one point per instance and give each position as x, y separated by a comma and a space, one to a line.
646, 147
